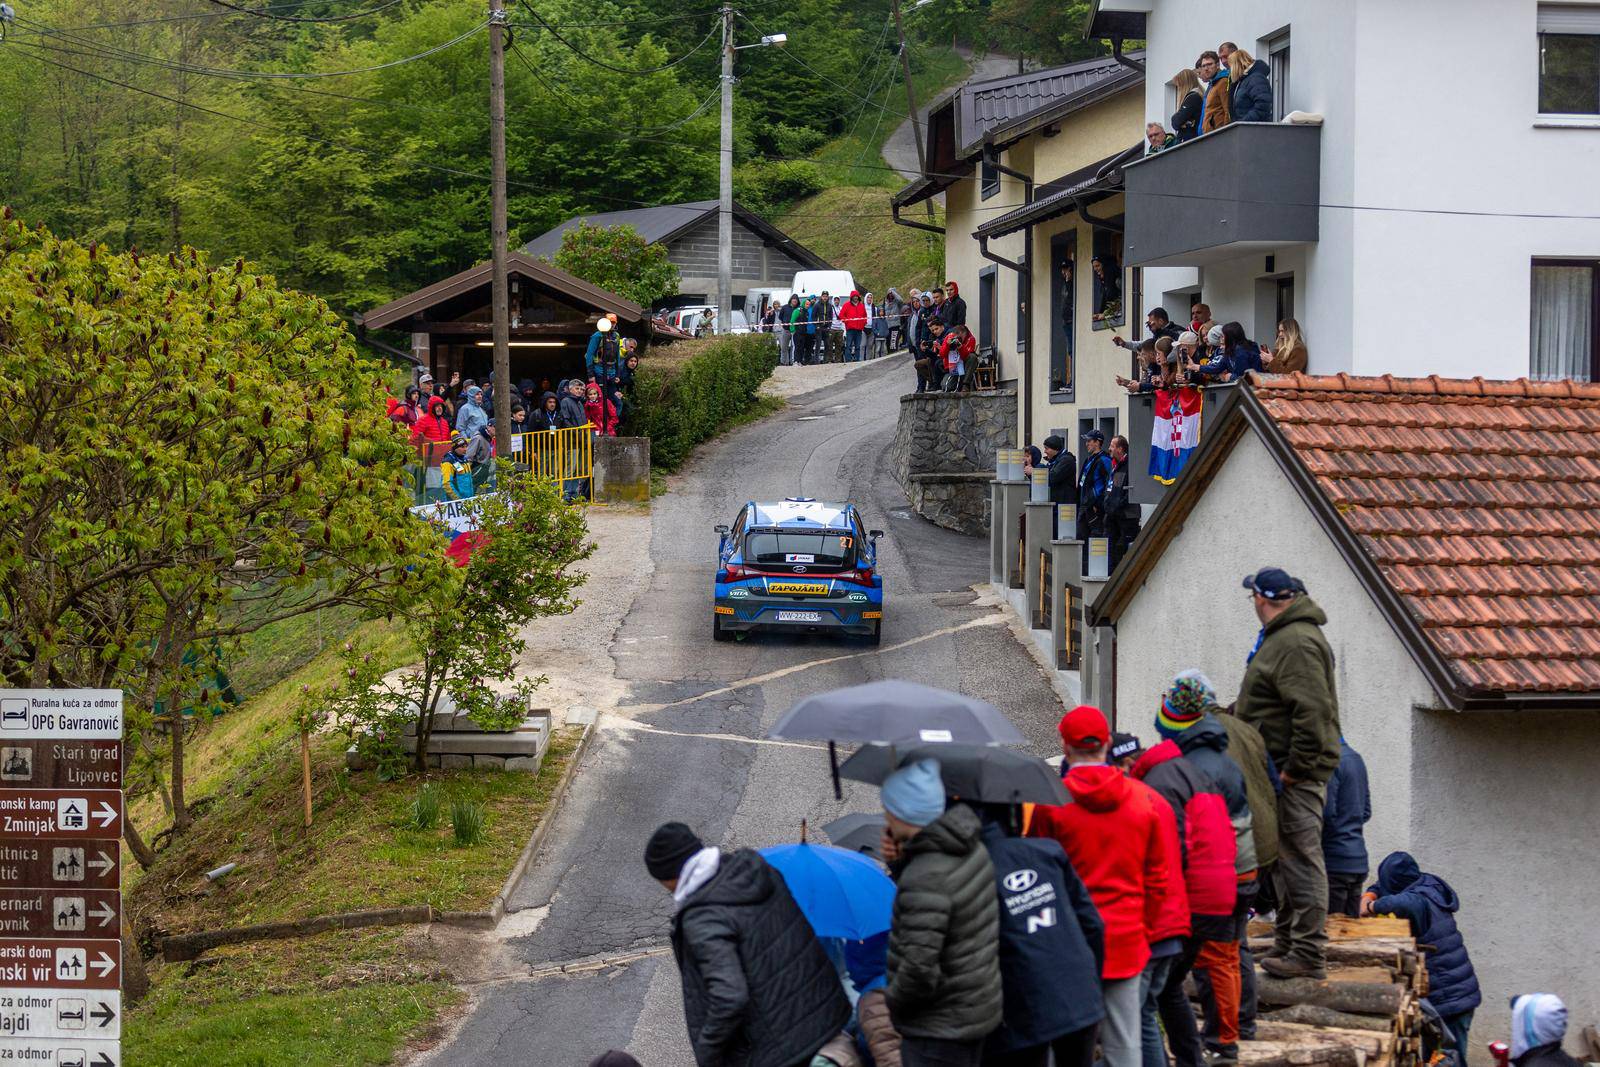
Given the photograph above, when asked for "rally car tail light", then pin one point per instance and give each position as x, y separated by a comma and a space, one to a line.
856, 577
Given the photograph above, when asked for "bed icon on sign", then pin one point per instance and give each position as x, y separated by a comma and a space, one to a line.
14, 713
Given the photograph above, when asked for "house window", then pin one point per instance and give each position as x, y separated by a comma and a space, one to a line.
1569, 59
1563, 340
1278, 64
990, 180
1063, 296
1022, 307
986, 308
1107, 280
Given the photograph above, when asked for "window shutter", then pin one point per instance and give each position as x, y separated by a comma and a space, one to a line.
1569, 18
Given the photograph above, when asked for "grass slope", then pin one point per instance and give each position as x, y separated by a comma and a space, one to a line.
850, 224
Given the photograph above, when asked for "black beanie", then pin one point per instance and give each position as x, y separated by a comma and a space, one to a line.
670, 846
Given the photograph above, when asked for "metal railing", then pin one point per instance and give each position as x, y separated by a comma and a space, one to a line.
565, 455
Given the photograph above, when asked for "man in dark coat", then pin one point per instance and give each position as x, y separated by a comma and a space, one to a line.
758, 989
1344, 846
1430, 905
944, 986
1289, 694
1122, 514
1052, 945
955, 308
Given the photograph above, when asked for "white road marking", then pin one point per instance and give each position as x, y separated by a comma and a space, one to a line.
810, 418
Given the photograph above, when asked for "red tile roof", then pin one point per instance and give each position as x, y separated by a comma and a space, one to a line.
1479, 502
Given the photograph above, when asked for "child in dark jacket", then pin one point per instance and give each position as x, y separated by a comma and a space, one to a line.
1344, 849
1429, 904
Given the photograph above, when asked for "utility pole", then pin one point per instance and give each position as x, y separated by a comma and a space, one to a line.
911, 98
500, 299
725, 182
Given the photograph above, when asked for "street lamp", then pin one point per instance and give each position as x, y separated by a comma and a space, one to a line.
725, 169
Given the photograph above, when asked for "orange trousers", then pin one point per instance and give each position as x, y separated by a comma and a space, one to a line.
1220, 961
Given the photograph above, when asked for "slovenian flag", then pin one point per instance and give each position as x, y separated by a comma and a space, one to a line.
1176, 432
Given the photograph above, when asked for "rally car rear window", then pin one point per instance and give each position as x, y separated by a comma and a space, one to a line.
807, 548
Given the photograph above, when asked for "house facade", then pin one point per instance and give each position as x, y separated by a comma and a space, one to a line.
763, 255
1450, 531
1031, 171
1410, 222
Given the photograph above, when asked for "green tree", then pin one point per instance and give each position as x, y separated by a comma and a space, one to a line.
187, 453
467, 625
619, 259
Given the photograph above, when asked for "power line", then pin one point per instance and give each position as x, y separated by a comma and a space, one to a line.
581, 54
266, 13
191, 16
704, 104
283, 75
789, 54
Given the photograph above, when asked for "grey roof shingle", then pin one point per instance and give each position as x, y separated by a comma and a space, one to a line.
985, 105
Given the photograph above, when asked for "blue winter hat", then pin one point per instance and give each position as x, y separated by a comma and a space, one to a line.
915, 793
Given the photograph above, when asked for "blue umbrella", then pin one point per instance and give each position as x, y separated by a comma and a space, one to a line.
841, 893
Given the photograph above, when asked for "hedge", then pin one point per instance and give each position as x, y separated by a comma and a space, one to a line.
682, 403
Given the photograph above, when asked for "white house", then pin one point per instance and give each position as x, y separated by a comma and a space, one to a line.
1442, 213
1450, 529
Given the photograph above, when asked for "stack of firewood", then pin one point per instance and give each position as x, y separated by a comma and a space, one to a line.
1364, 1014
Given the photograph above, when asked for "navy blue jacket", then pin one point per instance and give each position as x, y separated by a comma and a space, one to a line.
1245, 358
1252, 95
1094, 478
1347, 810
1428, 902
1052, 943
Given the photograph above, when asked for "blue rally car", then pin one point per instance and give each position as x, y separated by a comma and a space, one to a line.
799, 565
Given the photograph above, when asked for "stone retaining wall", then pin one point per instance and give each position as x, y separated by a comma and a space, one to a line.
943, 453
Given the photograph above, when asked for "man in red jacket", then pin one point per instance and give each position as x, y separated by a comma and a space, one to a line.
1118, 834
1207, 844
853, 314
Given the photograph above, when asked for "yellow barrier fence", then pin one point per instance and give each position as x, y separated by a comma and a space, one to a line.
558, 455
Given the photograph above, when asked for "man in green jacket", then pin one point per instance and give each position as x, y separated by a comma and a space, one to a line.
1288, 693
944, 988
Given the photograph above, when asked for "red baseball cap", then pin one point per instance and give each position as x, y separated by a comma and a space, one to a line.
1084, 726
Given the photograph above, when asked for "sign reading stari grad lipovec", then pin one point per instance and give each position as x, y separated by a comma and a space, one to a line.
61, 763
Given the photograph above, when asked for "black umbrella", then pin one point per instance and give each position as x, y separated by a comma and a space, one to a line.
858, 833
972, 772
893, 712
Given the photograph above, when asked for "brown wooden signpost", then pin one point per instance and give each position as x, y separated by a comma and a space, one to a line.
61, 811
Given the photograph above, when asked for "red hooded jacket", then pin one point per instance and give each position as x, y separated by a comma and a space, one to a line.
1119, 845
853, 314
1204, 829
433, 426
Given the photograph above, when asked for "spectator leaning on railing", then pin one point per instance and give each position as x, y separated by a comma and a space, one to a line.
1250, 88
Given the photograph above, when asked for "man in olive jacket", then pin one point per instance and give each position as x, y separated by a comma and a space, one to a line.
1288, 693
758, 989
944, 945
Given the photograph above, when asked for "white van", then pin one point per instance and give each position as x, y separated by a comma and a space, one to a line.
757, 301
816, 282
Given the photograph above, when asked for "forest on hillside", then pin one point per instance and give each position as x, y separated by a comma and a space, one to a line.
342, 144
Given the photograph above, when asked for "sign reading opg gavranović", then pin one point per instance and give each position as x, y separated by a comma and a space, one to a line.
61, 811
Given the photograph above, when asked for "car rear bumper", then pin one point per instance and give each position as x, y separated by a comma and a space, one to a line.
762, 612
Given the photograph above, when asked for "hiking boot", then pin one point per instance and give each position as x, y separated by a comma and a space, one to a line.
1222, 1056
1289, 967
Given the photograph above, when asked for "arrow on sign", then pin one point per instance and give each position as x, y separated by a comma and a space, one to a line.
104, 912
105, 964
103, 1013
105, 814
102, 862
104, 1061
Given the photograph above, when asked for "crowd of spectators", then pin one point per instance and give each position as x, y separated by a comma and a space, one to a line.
1225, 86
452, 424
1207, 352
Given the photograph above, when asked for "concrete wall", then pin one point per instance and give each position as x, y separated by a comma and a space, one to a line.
622, 470
755, 264
1500, 805
1382, 268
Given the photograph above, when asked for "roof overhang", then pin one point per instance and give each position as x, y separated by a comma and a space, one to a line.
1240, 413
571, 288
1107, 24
1057, 111
1072, 192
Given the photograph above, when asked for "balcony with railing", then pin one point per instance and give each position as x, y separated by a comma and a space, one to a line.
1248, 187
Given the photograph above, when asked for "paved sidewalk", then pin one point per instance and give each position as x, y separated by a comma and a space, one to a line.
792, 381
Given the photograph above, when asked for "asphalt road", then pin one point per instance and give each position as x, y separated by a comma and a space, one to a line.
688, 742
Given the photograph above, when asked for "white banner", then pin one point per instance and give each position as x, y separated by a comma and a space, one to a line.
90, 714
458, 516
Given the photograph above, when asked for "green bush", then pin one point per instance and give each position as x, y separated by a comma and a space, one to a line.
682, 404
793, 141
767, 188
